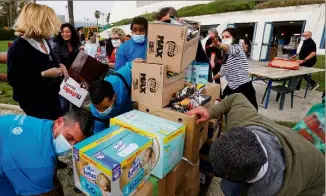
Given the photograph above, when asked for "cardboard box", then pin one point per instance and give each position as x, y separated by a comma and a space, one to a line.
146, 190
168, 138
159, 186
151, 85
114, 161
190, 176
167, 44
175, 177
211, 89
195, 187
193, 131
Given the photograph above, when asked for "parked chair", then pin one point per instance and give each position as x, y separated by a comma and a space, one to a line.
282, 90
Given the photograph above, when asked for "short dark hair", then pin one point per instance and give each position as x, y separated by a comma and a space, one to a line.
128, 36
234, 34
140, 21
165, 11
102, 43
237, 156
74, 40
99, 90
83, 117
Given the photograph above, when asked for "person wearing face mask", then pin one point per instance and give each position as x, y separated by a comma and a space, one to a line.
235, 67
307, 56
116, 39
111, 97
213, 53
29, 149
136, 47
257, 156
170, 15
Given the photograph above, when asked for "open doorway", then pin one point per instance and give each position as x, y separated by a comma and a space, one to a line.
247, 32
280, 38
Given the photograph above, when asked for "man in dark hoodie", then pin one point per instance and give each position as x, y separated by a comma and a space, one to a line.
257, 156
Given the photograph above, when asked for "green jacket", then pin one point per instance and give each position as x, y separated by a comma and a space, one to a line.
305, 165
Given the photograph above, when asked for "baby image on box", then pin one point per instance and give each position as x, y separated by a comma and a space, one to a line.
104, 183
148, 160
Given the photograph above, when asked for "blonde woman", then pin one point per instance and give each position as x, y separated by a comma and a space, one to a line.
33, 71
116, 38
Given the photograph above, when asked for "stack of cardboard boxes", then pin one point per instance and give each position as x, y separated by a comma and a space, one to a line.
170, 50
154, 151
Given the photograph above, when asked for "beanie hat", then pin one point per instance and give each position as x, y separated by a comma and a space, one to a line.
237, 156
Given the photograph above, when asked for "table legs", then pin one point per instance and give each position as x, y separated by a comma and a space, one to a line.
269, 87
308, 85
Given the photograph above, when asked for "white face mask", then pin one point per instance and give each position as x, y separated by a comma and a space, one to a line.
61, 145
227, 41
303, 38
116, 43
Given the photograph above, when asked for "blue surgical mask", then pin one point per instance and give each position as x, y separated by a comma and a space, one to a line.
138, 38
105, 112
61, 145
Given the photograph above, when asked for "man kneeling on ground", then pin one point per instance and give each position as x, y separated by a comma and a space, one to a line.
111, 97
29, 149
261, 157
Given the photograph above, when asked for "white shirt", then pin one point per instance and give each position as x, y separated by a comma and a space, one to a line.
37, 45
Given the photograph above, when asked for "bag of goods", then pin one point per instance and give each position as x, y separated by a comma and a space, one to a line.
312, 127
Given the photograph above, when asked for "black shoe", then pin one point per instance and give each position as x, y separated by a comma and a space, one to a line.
315, 87
61, 165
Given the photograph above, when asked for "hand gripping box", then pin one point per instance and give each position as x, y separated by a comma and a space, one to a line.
168, 138
115, 162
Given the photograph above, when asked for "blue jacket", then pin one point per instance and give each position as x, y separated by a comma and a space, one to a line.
27, 157
123, 102
128, 51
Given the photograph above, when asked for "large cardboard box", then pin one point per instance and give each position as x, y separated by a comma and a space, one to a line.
195, 188
167, 44
211, 89
190, 175
151, 85
146, 190
115, 161
168, 138
175, 177
193, 130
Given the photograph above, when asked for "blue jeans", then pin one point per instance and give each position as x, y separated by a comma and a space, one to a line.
230, 188
65, 104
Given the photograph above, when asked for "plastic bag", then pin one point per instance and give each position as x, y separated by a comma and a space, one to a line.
312, 127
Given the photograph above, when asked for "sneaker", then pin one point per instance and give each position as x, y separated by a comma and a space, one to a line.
315, 87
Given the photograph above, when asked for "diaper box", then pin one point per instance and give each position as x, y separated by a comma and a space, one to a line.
168, 138
114, 162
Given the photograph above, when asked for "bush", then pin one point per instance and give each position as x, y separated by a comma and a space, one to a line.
223, 6
7, 34
285, 3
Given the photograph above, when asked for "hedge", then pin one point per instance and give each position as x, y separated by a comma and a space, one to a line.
223, 6
7, 34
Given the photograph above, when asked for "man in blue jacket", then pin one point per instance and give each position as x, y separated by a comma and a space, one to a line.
29, 148
136, 46
111, 97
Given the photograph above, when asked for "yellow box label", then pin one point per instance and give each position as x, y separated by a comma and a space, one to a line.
174, 135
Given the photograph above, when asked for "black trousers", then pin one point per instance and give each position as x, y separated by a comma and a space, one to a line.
247, 90
50, 110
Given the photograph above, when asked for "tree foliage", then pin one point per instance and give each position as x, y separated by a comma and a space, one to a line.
9, 11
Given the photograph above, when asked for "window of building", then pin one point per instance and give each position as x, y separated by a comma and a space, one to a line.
322, 43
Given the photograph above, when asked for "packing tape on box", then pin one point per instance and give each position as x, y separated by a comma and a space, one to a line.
191, 163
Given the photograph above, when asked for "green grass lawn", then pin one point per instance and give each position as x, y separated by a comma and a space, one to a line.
6, 96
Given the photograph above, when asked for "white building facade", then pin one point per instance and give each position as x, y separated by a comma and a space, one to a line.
313, 17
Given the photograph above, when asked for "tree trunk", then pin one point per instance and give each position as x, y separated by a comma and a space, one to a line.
71, 12
97, 21
10, 14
